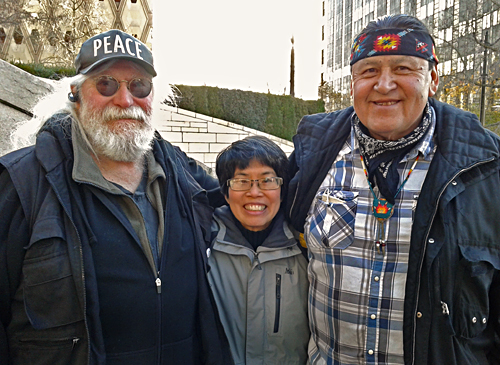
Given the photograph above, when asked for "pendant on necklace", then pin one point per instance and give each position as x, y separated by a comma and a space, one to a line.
382, 210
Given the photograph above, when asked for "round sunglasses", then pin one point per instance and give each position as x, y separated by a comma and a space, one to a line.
108, 86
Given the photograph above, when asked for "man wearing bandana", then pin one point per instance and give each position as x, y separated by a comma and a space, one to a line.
398, 200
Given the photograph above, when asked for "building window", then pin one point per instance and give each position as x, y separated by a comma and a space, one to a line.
323, 8
487, 6
322, 32
395, 7
2, 35
18, 35
322, 56
322, 79
381, 7
35, 39
369, 17
67, 36
134, 1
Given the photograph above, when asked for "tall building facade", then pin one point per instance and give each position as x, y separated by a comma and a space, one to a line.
458, 27
23, 42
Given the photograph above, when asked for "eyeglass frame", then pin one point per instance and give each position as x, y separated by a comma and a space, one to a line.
279, 181
102, 77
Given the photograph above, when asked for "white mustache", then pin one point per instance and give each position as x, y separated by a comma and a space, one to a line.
114, 113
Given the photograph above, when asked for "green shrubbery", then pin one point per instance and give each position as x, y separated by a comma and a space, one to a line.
48, 72
274, 114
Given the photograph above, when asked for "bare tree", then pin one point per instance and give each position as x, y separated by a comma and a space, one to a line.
334, 100
65, 25
12, 12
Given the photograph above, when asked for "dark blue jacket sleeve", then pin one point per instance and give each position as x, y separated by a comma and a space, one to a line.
201, 174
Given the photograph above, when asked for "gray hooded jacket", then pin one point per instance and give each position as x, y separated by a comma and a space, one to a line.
261, 295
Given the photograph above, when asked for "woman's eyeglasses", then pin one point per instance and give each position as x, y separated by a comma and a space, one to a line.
266, 183
108, 86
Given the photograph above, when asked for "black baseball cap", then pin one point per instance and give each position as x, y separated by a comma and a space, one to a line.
111, 45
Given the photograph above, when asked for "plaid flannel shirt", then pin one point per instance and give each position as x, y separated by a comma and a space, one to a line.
356, 295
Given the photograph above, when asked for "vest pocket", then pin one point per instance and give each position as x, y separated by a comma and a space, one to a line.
474, 279
49, 292
46, 351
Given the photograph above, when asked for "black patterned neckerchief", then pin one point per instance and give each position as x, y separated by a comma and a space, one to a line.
382, 157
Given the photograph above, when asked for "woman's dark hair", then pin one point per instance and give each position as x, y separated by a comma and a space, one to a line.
239, 154
398, 21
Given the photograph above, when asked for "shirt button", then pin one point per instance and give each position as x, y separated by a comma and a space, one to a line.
373, 316
370, 352
474, 319
419, 314
376, 278
431, 240
208, 252
454, 183
484, 320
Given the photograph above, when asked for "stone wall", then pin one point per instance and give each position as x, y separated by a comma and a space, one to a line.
203, 137
19, 93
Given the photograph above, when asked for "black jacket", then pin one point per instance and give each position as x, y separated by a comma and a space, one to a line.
452, 299
50, 230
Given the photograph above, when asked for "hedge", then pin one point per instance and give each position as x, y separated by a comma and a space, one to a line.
48, 72
278, 115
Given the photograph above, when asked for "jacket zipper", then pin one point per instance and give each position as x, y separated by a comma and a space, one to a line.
278, 304
444, 306
158, 291
56, 342
158, 284
425, 250
158, 280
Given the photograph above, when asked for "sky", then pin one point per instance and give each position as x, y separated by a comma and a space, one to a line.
236, 44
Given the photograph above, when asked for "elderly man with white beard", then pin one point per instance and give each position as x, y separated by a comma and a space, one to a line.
103, 229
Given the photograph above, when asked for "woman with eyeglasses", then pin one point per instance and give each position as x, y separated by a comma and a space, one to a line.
257, 268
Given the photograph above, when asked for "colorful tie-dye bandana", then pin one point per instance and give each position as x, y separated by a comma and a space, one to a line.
385, 42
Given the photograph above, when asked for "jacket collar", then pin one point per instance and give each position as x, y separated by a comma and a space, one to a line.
461, 139
279, 237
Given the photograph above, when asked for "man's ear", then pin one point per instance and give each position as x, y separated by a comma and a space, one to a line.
433, 86
74, 96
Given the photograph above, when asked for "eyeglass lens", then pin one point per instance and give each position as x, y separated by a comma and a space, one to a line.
108, 86
266, 183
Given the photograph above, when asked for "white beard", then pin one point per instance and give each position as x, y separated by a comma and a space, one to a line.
126, 141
